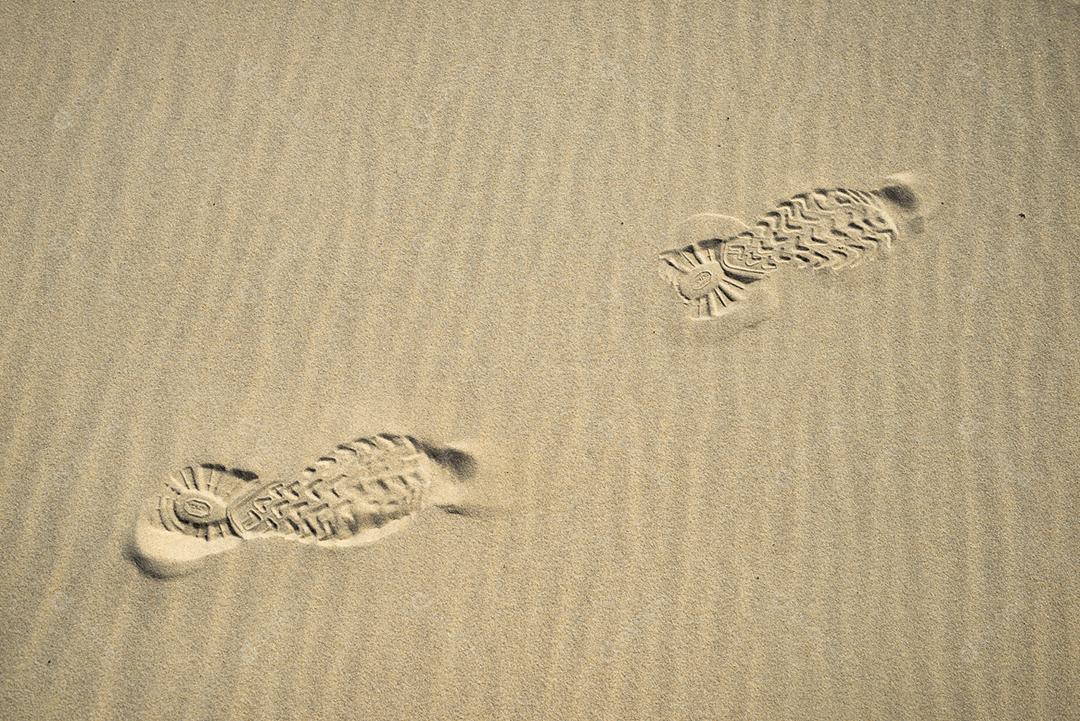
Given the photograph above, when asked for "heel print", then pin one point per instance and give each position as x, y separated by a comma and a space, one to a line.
702, 283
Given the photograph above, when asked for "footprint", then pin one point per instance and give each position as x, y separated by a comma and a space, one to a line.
361, 492
828, 229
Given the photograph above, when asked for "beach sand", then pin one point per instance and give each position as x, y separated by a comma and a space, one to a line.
244, 235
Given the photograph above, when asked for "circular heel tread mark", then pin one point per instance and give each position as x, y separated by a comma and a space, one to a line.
198, 507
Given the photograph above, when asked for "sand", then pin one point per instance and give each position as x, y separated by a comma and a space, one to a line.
243, 235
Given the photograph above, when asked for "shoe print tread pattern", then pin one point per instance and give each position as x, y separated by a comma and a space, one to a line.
825, 229
363, 484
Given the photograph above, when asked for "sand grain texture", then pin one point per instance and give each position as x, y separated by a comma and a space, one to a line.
240, 235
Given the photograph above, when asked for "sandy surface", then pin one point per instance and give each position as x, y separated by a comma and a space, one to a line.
244, 236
